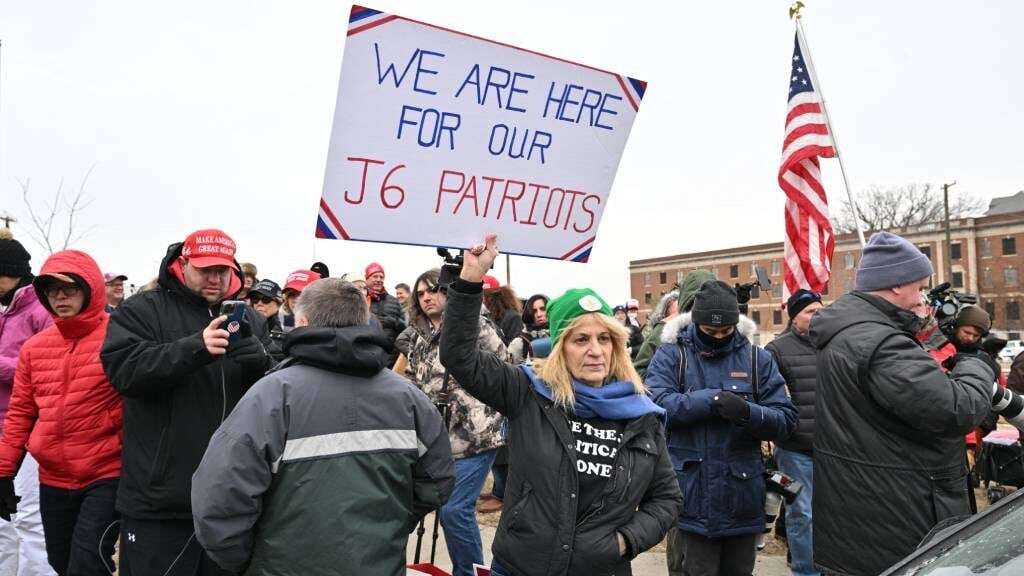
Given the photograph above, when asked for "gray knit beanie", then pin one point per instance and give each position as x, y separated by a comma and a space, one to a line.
888, 261
715, 305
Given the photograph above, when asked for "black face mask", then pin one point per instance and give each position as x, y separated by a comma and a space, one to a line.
715, 343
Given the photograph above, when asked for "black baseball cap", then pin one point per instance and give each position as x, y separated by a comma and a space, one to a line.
267, 288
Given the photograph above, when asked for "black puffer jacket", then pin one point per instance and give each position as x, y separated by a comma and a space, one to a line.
797, 359
388, 311
175, 393
889, 461
540, 533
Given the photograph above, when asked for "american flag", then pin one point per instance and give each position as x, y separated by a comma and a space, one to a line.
809, 238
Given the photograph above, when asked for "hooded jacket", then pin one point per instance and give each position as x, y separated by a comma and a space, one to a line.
889, 461
718, 463
542, 531
22, 319
175, 393
325, 466
688, 289
63, 409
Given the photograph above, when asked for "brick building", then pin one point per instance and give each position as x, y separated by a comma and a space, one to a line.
986, 259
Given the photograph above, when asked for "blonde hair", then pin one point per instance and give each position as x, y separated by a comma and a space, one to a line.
555, 373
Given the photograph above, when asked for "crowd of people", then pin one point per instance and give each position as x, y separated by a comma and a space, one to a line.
311, 430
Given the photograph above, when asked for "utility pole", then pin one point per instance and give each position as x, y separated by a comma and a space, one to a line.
7, 219
947, 260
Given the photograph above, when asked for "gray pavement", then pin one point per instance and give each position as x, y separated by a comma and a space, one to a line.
646, 564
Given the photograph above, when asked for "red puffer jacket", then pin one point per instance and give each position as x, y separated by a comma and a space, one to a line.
63, 408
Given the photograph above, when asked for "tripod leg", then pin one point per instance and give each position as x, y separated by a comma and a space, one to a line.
437, 530
420, 531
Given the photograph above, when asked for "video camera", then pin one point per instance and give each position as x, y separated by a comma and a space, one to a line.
763, 282
947, 304
778, 487
451, 267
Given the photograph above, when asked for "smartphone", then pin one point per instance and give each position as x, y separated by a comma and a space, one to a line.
235, 311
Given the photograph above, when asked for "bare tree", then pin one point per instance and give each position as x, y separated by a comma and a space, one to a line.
45, 225
901, 206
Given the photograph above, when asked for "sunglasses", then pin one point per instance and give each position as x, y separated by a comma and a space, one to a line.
68, 290
809, 296
431, 290
260, 300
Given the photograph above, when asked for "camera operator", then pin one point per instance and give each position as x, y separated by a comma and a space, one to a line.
475, 428
889, 461
973, 324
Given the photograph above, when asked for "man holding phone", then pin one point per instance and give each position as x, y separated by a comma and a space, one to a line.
172, 357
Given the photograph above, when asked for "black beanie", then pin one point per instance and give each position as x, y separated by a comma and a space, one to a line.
321, 269
14, 259
799, 300
716, 305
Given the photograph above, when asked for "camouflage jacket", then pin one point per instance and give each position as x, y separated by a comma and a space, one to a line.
519, 349
474, 427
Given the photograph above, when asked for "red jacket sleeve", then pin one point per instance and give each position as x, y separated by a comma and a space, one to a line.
21, 417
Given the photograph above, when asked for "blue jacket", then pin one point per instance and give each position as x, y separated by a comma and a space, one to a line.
718, 463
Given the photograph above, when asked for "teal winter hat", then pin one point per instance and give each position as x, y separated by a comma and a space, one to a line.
575, 302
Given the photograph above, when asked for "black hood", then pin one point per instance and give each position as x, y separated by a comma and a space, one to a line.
354, 350
858, 308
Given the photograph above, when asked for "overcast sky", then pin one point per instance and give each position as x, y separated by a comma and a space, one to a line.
218, 114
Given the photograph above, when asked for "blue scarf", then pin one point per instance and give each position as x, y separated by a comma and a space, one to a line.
613, 401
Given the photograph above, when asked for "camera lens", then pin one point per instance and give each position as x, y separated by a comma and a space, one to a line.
1009, 405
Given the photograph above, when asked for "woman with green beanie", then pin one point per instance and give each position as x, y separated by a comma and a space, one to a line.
591, 484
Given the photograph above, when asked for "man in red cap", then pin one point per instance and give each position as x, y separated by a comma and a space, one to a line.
114, 284
179, 375
384, 306
294, 284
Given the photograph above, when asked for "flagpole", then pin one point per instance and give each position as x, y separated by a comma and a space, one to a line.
794, 13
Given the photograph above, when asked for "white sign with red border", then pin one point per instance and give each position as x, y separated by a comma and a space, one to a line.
440, 137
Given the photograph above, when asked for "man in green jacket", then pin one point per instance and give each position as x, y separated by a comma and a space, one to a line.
328, 462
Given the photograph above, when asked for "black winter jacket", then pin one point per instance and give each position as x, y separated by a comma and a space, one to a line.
540, 532
889, 460
175, 393
797, 359
511, 326
389, 313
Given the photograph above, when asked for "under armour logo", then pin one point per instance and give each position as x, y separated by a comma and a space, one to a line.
131, 537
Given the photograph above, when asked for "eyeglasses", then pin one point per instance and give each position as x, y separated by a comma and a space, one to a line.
68, 290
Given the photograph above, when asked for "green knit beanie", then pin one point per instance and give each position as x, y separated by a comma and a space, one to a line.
575, 302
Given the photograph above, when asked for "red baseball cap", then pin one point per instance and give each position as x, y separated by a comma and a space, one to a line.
299, 279
211, 247
372, 269
491, 283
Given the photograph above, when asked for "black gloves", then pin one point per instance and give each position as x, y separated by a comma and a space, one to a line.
248, 351
8, 500
730, 406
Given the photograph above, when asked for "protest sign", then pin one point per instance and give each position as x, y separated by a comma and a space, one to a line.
440, 137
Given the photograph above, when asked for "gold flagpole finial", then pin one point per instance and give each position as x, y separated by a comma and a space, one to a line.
794, 10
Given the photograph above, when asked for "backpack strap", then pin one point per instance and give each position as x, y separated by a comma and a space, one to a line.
681, 374
755, 381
